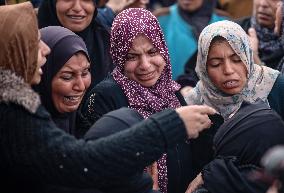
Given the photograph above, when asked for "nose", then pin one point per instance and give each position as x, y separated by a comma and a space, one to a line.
46, 49
228, 68
263, 3
144, 63
79, 84
77, 6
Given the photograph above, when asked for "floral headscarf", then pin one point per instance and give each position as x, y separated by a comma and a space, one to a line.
126, 27
260, 78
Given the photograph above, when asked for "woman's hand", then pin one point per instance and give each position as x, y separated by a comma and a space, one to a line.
153, 171
278, 18
195, 118
197, 182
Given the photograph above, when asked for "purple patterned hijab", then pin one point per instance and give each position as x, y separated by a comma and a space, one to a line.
127, 25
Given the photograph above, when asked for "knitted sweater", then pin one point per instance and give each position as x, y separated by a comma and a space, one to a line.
34, 151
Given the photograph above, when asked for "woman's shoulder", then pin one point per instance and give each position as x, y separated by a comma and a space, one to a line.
279, 84
108, 86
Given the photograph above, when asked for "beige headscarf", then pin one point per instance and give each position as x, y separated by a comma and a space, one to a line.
19, 39
260, 78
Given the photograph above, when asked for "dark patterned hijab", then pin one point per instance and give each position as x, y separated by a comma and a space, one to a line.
126, 27
63, 44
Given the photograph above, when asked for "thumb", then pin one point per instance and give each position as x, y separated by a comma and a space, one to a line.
208, 110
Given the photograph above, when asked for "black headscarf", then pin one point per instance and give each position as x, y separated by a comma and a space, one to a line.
2, 2
199, 18
239, 145
63, 44
96, 38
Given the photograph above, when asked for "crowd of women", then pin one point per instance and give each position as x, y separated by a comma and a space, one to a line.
93, 100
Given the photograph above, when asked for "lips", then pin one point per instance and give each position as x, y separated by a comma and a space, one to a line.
72, 100
76, 17
147, 76
231, 84
263, 16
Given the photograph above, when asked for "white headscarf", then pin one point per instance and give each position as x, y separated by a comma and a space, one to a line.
260, 78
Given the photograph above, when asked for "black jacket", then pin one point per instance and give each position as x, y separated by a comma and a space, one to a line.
239, 145
108, 96
35, 152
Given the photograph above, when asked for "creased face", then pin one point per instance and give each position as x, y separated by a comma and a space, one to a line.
144, 63
70, 83
225, 68
265, 12
75, 15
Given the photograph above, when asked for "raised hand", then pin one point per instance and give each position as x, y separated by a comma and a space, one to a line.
195, 118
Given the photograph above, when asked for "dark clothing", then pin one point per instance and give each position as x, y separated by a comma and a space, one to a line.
35, 151
113, 122
274, 59
64, 44
189, 78
239, 146
202, 147
108, 96
105, 97
106, 17
95, 36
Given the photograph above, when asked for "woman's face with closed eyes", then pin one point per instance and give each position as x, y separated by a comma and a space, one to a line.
225, 68
70, 83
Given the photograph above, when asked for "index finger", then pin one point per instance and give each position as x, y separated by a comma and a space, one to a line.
204, 109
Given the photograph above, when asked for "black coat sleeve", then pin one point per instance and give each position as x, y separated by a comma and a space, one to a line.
32, 144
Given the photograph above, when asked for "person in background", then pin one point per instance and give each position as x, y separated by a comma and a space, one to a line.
111, 8
79, 16
34, 151
66, 76
142, 80
182, 24
267, 45
229, 76
237, 8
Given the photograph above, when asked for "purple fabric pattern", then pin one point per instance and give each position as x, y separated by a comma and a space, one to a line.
127, 25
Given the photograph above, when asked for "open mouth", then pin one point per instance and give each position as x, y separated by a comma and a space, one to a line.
76, 17
231, 84
72, 100
263, 16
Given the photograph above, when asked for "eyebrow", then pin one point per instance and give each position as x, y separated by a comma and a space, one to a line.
70, 68
133, 51
220, 58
